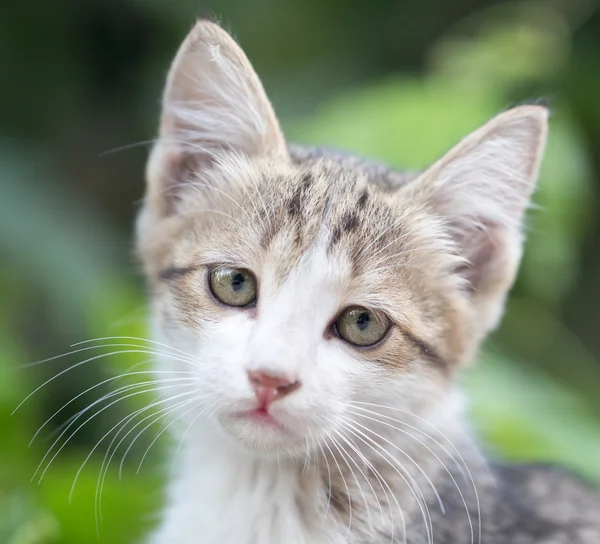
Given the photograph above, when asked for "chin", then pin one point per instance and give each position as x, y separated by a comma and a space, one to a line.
264, 435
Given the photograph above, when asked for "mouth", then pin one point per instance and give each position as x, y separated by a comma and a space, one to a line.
261, 417
265, 431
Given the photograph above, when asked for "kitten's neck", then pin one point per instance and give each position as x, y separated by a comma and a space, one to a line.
376, 481
227, 495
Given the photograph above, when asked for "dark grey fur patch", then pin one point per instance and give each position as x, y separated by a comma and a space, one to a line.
523, 504
296, 202
348, 223
294, 205
376, 172
362, 199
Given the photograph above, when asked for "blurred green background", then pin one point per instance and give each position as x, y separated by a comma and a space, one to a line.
396, 80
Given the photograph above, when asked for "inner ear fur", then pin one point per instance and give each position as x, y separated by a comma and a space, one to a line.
213, 105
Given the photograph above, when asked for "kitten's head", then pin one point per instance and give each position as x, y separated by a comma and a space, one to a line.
303, 287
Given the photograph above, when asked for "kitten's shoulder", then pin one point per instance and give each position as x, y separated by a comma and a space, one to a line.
376, 172
548, 504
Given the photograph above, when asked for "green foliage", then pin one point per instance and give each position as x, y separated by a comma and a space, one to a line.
526, 416
76, 267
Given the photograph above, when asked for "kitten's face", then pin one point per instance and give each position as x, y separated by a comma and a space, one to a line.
311, 243
300, 289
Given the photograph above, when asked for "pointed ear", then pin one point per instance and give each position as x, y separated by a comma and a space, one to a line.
213, 103
481, 189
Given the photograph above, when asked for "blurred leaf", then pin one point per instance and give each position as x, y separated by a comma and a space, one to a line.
79, 272
128, 506
511, 44
526, 415
405, 122
565, 204
24, 524
31, 205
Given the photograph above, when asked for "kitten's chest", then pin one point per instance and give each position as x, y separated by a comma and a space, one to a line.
245, 503
264, 509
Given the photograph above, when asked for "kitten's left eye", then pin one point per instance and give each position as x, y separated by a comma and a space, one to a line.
361, 327
232, 286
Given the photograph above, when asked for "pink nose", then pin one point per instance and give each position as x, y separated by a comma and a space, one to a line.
268, 387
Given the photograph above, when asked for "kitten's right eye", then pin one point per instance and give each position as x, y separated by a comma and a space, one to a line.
232, 286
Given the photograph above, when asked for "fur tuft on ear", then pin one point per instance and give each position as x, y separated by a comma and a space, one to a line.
480, 190
214, 103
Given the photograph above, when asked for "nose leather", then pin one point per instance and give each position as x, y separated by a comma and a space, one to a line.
270, 387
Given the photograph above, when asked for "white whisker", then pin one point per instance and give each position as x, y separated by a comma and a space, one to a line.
460, 457
306, 457
407, 477
329, 490
164, 412
128, 418
441, 504
145, 391
125, 375
436, 457
379, 477
368, 464
98, 346
345, 485
345, 456
187, 430
137, 339
89, 360
344, 439
197, 405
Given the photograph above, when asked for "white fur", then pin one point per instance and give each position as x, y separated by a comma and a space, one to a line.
224, 495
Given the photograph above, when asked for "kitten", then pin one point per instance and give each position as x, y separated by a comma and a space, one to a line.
325, 305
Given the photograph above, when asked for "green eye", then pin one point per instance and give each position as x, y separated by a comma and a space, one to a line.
361, 327
232, 286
